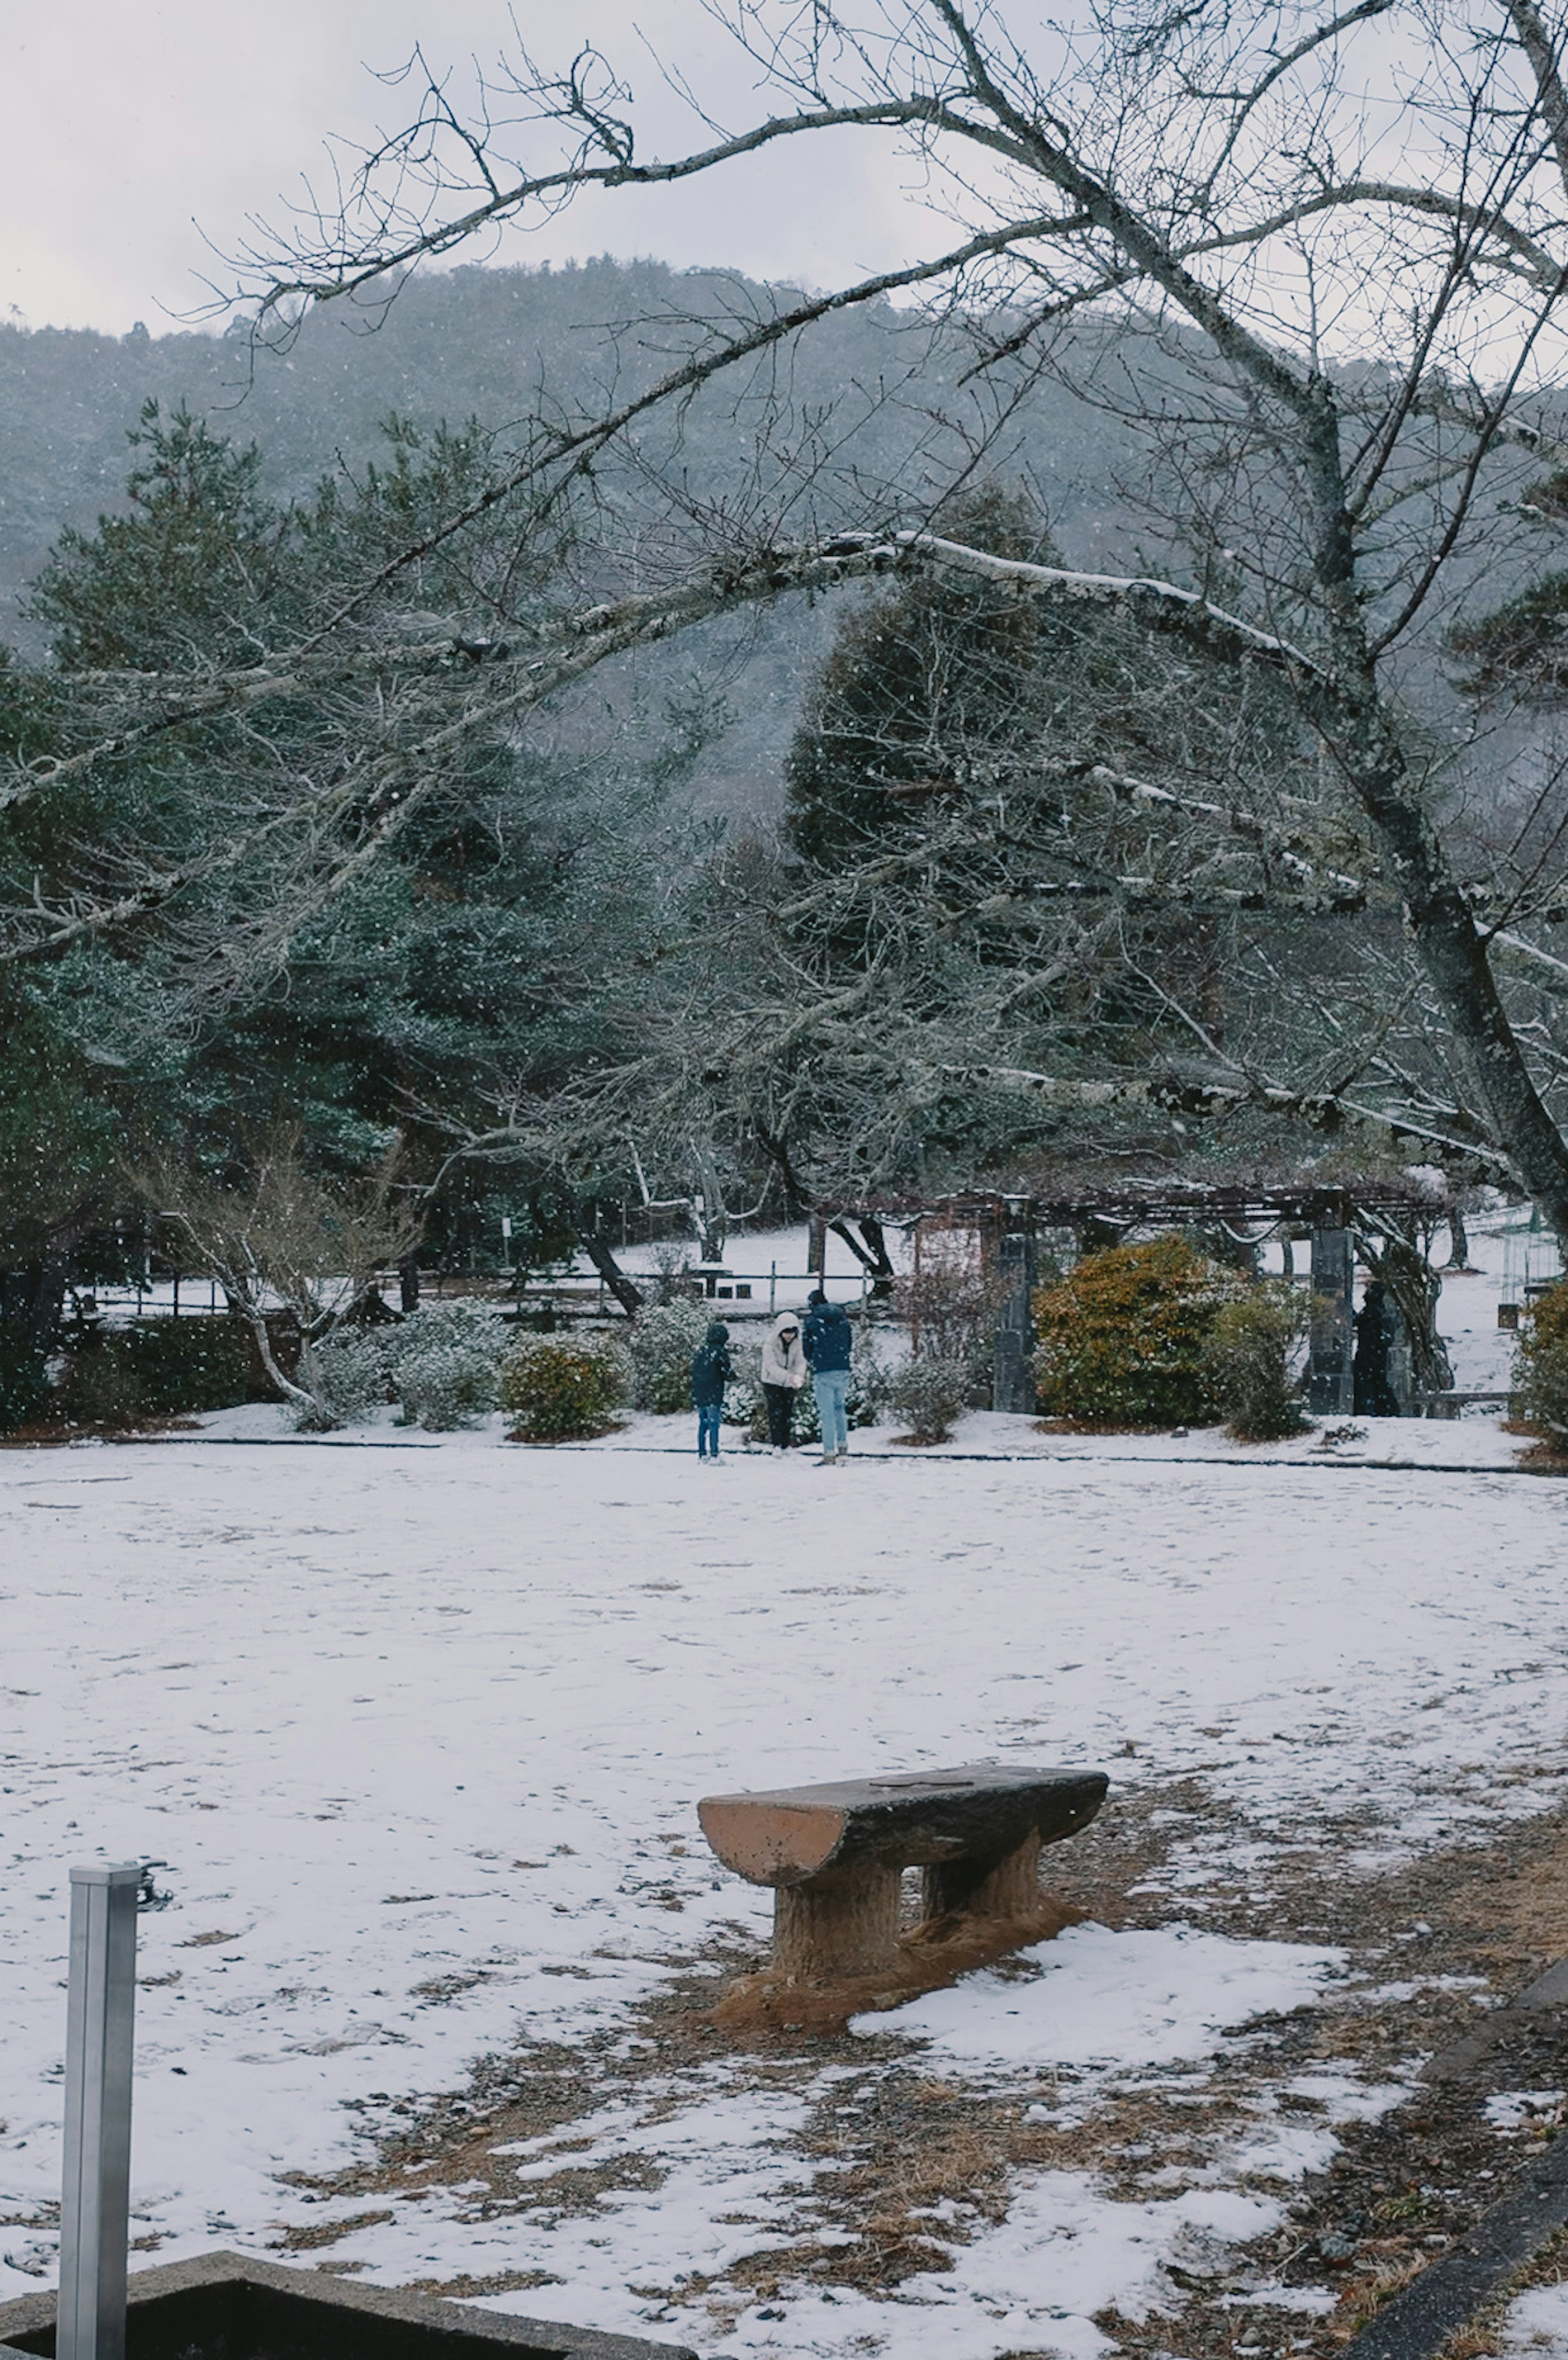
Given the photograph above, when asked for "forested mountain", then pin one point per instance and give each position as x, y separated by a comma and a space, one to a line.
487, 343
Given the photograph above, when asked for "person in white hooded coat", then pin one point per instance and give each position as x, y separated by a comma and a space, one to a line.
784, 1371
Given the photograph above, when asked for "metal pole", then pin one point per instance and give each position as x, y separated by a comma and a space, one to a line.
95, 2206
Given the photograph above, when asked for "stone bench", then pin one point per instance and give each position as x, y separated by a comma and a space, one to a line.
835, 1856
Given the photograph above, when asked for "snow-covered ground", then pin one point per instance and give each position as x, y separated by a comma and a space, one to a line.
419, 1732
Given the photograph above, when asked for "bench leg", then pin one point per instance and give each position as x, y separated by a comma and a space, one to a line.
1009, 1887
838, 1927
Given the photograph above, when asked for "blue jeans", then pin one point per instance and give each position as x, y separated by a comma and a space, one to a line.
830, 1385
708, 1416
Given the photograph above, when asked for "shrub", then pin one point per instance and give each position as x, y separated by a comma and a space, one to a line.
662, 1341
954, 1307
24, 1379
1540, 1371
929, 1391
744, 1404
346, 1375
561, 1389
870, 1384
446, 1363
122, 1376
1248, 1354
671, 1262
1124, 1338
442, 1364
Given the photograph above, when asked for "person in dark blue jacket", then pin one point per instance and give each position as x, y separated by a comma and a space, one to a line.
828, 1342
712, 1370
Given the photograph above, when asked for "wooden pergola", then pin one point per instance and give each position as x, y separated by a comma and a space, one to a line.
1009, 1227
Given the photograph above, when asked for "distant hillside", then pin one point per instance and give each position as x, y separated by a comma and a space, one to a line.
485, 343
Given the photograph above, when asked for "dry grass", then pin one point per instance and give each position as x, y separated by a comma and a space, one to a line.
308, 2236
1364, 2296
887, 2142
469, 2290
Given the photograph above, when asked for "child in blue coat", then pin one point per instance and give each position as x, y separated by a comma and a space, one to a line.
712, 1370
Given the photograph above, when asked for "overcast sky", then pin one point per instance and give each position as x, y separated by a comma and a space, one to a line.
128, 130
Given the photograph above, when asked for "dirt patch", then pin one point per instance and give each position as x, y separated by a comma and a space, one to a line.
930, 1959
57, 1435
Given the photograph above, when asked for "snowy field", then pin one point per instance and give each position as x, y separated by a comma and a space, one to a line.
418, 1732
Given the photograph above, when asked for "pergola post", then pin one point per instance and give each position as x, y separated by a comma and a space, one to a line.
1012, 1381
1331, 1384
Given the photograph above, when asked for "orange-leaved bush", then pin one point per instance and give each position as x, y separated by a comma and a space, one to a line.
558, 1389
1541, 1371
1124, 1338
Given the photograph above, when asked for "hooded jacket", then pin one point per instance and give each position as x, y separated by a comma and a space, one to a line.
827, 1338
711, 1367
784, 1363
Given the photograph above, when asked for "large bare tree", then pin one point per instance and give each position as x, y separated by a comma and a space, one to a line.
1337, 237
1316, 257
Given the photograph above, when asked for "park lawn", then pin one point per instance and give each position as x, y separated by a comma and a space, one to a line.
419, 1734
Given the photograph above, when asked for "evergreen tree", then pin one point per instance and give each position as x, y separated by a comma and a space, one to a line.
380, 977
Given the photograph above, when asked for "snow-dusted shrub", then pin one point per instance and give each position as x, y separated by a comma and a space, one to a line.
744, 1404
344, 1376
1248, 1354
562, 1388
662, 1341
1124, 1338
446, 1363
1540, 1371
929, 1391
671, 1262
445, 1387
871, 1381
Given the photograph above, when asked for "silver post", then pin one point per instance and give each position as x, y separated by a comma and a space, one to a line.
95, 2207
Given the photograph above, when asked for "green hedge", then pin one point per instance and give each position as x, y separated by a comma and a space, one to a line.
24, 1379
163, 1367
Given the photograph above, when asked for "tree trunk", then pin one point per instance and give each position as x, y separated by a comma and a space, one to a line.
1458, 1241
255, 1319
1346, 708
871, 1254
1413, 1289
596, 1246
710, 1239
797, 1204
